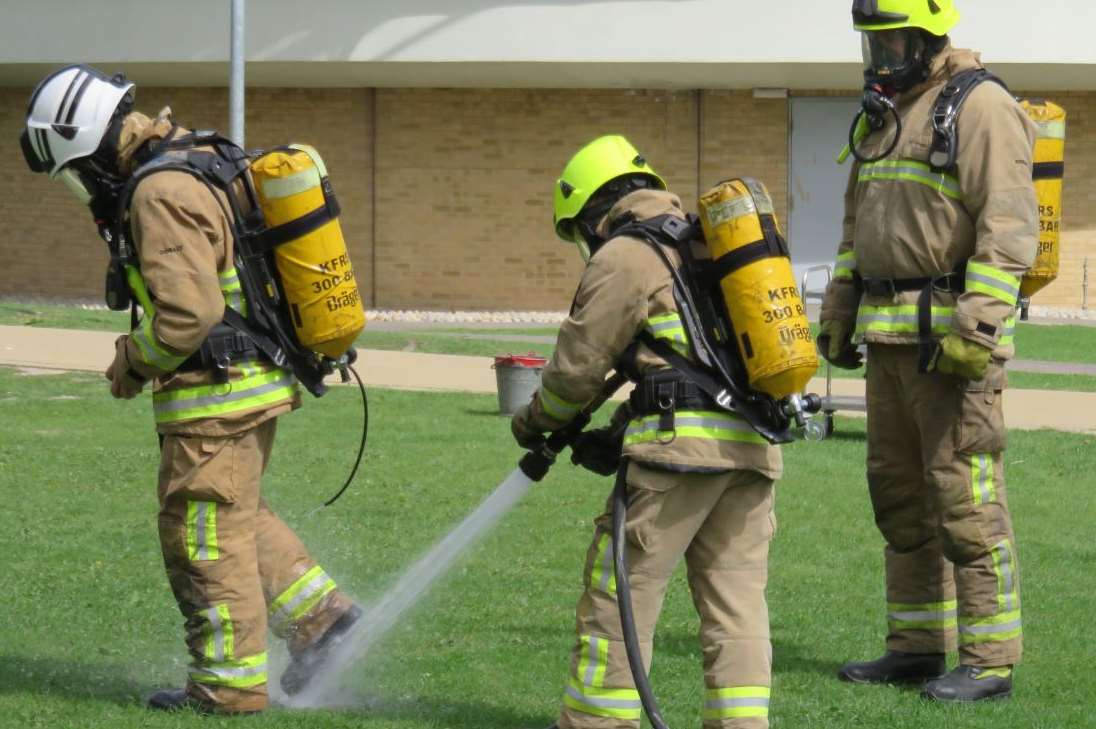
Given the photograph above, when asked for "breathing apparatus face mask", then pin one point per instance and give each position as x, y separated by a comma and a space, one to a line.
894, 59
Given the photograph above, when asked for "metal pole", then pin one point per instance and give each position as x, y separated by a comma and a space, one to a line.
236, 75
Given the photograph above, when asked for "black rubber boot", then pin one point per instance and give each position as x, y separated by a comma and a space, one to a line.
969, 683
896, 667
306, 663
176, 700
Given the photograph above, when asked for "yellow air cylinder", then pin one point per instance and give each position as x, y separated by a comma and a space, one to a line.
1050, 144
758, 287
315, 271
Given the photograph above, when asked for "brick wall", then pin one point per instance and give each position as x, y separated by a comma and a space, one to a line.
463, 182
48, 241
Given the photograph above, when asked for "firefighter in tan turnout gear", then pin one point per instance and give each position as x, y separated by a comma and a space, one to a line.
235, 568
705, 494
928, 273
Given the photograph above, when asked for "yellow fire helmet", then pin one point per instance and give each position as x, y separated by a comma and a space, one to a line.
937, 17
600, 162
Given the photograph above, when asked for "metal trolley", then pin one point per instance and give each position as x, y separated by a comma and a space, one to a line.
830, 403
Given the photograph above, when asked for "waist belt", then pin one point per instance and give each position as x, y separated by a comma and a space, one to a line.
664, 392
220, 349
953, 283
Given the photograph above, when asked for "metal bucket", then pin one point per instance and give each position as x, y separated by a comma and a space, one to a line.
517, 377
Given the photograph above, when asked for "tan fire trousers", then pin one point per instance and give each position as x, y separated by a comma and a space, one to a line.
722, 524
937, 483
235, 567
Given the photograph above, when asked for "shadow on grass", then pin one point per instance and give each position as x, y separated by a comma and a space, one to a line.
73, 679
435, 711
788, 658
484, 411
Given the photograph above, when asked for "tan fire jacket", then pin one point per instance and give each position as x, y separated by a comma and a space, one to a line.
902, 220
184, 244
625, 289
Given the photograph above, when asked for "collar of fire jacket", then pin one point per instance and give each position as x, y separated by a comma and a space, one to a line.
138, 130
640, 205
948, 62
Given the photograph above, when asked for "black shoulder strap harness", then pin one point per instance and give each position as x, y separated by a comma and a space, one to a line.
713, 379
265, 331
945, 115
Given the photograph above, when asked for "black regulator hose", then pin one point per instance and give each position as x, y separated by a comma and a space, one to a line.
624, 600
876, 105
361, 445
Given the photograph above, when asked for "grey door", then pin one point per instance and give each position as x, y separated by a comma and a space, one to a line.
816, 183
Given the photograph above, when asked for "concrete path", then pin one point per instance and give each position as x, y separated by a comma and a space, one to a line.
60, 349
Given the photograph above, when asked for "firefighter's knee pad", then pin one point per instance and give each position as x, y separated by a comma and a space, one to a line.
969, 532
903, 515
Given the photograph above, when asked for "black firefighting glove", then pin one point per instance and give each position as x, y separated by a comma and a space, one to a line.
598, 450
835, 344
527, 435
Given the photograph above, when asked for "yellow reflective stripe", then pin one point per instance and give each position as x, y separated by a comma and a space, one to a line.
220, 638
201, 531
137, 286
593, 660
602, 573
243, 673
300, 597
150, 349
900, 318
1008, 333
993, 282
1000, 627
234, 396
692, 424
981, 478
736, 702
922, 616
1004, 566
233, 291
909, 170
670, 328
846, 264
556, 407
611, 703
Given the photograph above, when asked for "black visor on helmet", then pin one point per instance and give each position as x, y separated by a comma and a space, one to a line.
866, 12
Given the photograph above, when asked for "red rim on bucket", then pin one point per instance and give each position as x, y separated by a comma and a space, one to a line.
531, 360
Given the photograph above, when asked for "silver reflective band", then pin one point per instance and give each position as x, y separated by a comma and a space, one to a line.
591, 669
218, 634
202, 508
996, 628
602, 703
607, 565
664, 326
983, 487
242, 672
1004, 556
286, 612
1012, 291
230, 396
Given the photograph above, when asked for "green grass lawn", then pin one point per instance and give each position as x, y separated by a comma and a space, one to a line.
89, 625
